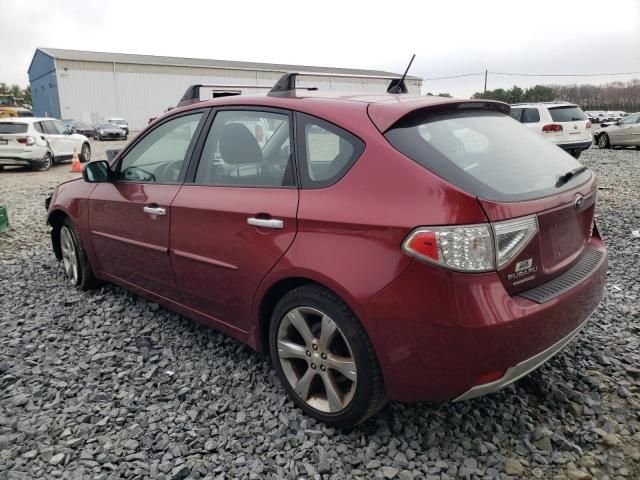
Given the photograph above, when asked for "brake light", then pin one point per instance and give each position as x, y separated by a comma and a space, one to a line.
467, 248
28, 141
472, 248
588, 125
552, 127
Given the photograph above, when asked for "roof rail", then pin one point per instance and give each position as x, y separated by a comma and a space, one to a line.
192, 95
287, 82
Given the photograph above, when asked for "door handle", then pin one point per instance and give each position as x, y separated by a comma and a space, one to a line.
154, 210
265, 222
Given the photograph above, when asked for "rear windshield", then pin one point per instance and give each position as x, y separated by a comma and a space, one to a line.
567, 114
8, 128
485, 153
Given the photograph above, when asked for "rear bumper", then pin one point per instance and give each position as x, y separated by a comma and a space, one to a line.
438, 333
584, 145
14, 161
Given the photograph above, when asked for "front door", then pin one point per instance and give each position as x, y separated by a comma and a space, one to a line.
58, 137
129, 217
237, 217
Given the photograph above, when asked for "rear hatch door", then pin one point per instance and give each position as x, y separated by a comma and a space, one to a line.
12, 138
574, 124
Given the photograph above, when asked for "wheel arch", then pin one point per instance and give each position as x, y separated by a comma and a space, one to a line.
56, 219
270, 299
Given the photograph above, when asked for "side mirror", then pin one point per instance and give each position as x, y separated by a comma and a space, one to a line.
96, 172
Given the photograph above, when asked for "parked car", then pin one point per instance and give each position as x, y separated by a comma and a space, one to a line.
83, 128
120, 122
392, 246
562, 124
10, 108
623, 133
39, 142
109, 131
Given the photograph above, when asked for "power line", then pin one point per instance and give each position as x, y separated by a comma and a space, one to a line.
455, 76
563, 74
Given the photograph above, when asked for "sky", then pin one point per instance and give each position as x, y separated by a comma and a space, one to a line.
449, 38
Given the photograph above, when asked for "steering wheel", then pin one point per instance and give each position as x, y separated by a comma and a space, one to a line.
171, 171
137, 173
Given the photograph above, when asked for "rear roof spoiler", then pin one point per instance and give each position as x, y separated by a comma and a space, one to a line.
287, 83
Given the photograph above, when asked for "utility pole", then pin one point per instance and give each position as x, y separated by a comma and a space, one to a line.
485, 81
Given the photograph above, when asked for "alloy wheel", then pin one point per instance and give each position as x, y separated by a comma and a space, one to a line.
86, 153
603, 141
69, 255
317, 360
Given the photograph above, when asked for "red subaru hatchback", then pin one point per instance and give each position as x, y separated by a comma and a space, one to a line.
378, 246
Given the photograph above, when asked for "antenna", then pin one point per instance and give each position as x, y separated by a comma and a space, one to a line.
398, 86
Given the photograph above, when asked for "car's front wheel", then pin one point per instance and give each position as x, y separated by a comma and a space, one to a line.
324, 357
603, 141
75, 261
85, 153
576, 153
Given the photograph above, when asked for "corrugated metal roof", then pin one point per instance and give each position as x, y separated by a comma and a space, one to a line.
87, 56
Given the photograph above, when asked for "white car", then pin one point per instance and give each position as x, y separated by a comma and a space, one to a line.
623, 133
39, 142
564, 124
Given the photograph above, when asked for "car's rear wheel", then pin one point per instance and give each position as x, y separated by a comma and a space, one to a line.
46, 162
85, 153
603, 141
75, 261
324, 357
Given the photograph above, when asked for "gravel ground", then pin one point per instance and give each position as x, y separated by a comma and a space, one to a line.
107, 385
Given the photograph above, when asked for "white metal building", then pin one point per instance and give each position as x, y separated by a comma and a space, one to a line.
94, 86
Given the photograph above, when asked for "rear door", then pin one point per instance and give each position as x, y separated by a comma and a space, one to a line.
237, 217
574, 123
129, 218
627, 132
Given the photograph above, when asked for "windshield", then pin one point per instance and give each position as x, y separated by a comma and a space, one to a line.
117, 121
11, 128
107, 126
7, 102
81, 125
487, 154
569, 113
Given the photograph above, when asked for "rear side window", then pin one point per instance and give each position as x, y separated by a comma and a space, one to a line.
13, 128
327, 151
516, 113
530, 115
567, 114
38, 127
484, 153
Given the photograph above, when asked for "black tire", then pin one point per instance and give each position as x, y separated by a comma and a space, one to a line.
576, 153
603, 141
47, 163
86, 279
368, 393
125, 137
85, 153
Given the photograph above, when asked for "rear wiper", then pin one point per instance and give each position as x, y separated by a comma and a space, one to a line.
569, 175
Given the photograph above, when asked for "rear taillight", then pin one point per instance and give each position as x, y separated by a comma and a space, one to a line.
471, 248
466, 248
28, 141
588, 125
512, 236
552, 127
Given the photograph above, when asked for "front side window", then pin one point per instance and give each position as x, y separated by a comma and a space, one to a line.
159, 156
328, 151
247, 149
484, 153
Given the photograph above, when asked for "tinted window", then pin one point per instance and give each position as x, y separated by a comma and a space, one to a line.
530, 115
246, 148
484, 153
567, 114
38, 127
327, 151
159, 156
516, 113
53, 127
12, 128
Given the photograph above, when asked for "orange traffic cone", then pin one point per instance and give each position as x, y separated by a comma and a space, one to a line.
75, 162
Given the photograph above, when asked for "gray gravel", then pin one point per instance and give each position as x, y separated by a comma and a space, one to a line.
107, 385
